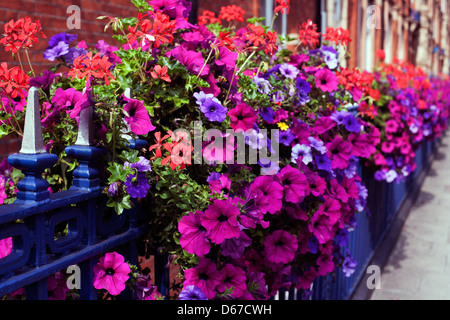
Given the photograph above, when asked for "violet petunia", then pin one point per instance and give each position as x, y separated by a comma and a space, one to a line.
193, 234
204, 276
220, 221
137, 117
294, 183
280, 247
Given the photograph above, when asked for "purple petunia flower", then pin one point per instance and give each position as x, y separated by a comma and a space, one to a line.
349, 265
213, 110
303, 89
113, 189
267, 114
192, 292
137, 185
339, 116
213, 176
289, 71
235, 247
43, 81
317, 144
322, 162
352, 124
285, 137
57, 51
143, 165
73, 54
263, 85
61, 37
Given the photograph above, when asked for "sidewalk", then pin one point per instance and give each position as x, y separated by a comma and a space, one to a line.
418, 267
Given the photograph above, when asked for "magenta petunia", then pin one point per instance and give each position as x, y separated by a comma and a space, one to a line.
339, 151
326, 80
280, 247
269, 194
193, 60
332, 208
223, 184
204, 276
220, 221
111, 273
242, 117
323, 124
233, 277
193, 234
137, 117
325, 264
294, 183
6, 246
66, 99
321, 226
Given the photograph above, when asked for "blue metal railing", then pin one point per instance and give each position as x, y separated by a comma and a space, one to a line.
33, 218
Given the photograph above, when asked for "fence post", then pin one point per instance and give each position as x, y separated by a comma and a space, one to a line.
32, 160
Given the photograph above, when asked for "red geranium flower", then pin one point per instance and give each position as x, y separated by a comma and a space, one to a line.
232, 13
88, 65
13, 80
160, 73
308, 34
21, 34
208, 17
282, 6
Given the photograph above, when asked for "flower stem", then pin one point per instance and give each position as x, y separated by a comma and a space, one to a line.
206, 61
20, 61
29, 62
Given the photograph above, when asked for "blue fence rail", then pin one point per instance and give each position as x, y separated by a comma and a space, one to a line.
33, 218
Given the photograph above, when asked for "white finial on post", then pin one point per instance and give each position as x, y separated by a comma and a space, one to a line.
85, 126
32, 141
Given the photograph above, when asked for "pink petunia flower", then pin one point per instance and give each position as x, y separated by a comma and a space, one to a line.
6, 246
280, 247
111, 273
137, 117
220, 221
294, 183
339, 151
223, 184
233, 277
326, 80
269, 194
242, 117
204, 276
193, 234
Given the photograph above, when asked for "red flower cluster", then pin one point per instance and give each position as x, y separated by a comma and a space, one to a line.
21, 34
338, 35
232, 13
208, 17
13, 80
95, 66
282, 6
257, 37
308, 35
161, 31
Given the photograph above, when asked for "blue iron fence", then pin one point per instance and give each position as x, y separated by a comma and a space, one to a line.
32, 220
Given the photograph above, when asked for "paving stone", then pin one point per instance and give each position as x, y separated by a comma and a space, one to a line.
418, 267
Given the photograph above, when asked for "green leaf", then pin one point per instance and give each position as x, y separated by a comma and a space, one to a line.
4, 130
